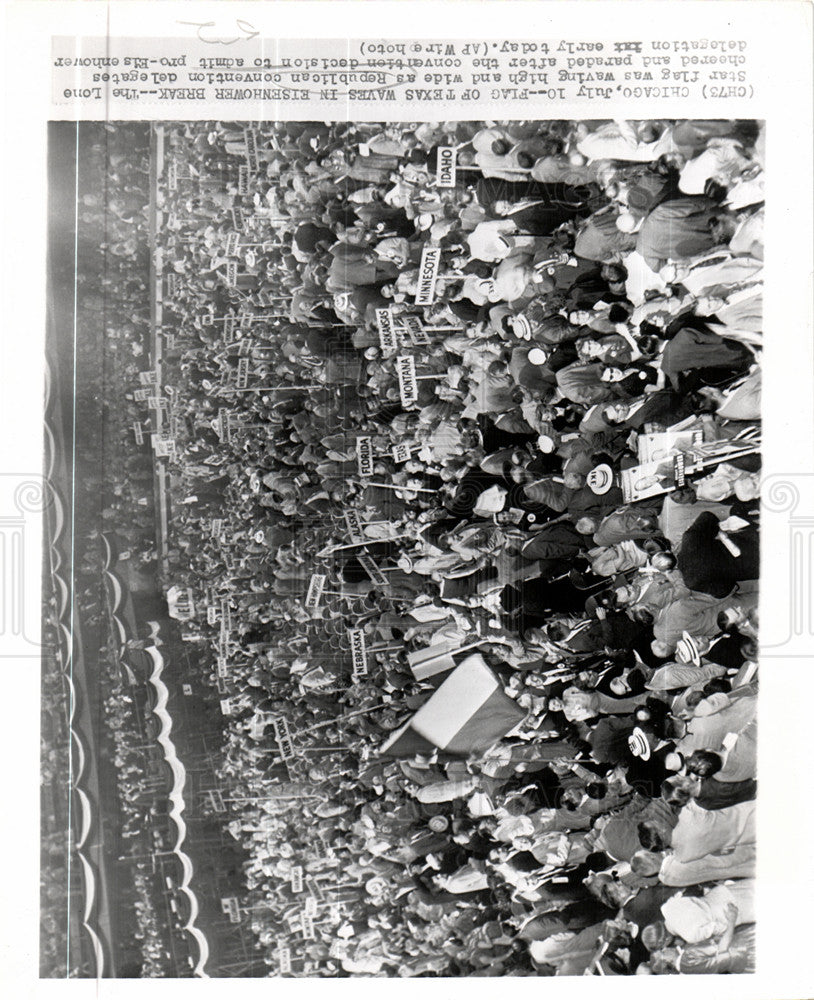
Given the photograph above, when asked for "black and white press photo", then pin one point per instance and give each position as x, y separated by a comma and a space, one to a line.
400, 583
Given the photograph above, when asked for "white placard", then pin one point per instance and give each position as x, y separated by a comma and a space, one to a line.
427, 276
408, 384
364, 456
282, 734
388, 340
358, 649
354, 525
232, 244
315, 588
415, 331
252, 159
446, 168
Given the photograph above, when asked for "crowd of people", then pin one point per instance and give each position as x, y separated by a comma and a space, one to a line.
545, 456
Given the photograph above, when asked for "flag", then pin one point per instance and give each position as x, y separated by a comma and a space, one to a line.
469, 712
405, 742
435, 659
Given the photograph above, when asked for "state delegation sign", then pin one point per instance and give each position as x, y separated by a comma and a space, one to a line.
388, 340
364, 456
315, 588
427, 276
358, 649
282, 736
354, 525
447, 157
408, 384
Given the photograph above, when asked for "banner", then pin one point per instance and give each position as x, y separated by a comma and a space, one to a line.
148, 378
231, 273
242, 373
296, 879
427, 276
311, 907
654, 478
408, 385
364, 456
242, 180
238, 219
308, 927
372, 570
216, 527
172, 175
358, 649
211, 616
315, 588
137, 430
285, 959
387, 331
446, 169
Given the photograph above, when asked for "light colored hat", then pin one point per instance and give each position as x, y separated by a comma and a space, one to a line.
600, 479
687, 650
522, 328
638, 744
